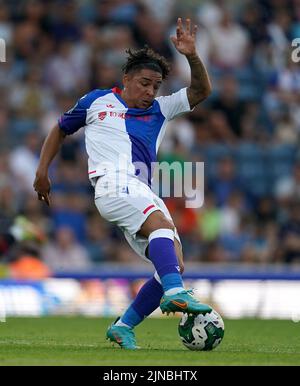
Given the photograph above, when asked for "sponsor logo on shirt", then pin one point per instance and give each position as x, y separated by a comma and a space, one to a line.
102, 115
115, 114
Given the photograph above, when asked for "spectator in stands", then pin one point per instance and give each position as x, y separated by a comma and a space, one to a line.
63, 72
70, 210
231, 213
288, 187
285, 131
28, 266
226, 181
184, 218
237, 246
229, 44
65, 253
279, 35
263, 245
288, 248
20, 242
229, 102
23, 161
253, 21
220, 129
265, 210
99, 242
209, 219
6, 26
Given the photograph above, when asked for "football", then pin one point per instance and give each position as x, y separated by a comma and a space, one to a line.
201, 332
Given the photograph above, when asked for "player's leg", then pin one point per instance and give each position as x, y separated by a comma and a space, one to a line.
160, 233
161, 251
148, 297
146, 301
130, 213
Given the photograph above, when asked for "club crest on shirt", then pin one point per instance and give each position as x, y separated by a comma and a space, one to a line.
102, 115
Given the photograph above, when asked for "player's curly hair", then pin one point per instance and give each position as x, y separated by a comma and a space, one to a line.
146, 58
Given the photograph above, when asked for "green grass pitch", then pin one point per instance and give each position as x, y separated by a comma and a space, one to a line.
81, 341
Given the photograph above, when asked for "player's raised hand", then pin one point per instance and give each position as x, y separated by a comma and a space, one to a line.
185, 39
42, 186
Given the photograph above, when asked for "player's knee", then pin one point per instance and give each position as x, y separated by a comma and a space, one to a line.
164, 223
156, 221
160, 221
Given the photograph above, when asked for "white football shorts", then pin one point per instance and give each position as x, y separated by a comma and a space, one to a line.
128, 204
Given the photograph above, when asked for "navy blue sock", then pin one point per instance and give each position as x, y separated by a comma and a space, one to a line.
146, 301
163, 256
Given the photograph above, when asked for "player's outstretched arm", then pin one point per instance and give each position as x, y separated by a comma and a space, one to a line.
185, 43
49, 150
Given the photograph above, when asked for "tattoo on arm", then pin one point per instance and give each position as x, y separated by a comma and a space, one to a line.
200, 87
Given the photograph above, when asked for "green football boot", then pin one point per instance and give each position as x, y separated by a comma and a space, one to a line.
183, 302
123, 336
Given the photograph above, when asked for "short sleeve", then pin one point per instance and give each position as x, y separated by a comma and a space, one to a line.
174, 104
74, 119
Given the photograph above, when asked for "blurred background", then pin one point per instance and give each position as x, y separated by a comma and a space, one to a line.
246, 133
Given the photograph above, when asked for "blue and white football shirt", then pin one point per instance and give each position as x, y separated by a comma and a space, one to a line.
119, 138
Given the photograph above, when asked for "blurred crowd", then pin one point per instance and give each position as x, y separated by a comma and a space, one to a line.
246, 133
